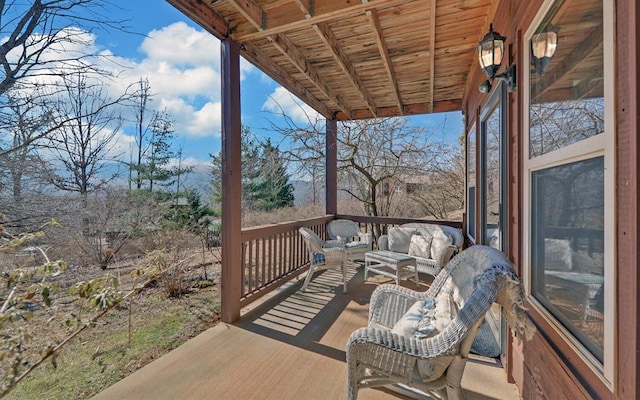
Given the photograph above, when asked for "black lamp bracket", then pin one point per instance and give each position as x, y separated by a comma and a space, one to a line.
509, 76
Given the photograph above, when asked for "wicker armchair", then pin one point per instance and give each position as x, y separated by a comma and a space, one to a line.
377, 355
324, 255
346, 230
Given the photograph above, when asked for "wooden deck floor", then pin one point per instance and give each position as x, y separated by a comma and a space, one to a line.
290, 347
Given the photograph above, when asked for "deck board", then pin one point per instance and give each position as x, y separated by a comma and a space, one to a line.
282, 349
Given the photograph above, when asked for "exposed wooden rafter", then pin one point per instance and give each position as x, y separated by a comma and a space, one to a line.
306, 6
252, 12
432, 53
409, 109
343, 9
203, 16
384, 54
275, 72
354, 59
330, 41
289, 50
257, 17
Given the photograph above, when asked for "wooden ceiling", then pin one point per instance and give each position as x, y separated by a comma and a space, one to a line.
349, 59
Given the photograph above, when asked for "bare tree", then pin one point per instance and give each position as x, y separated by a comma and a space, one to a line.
25, 119
441, 193
48, 38
372, 152
143, 118
21, 182
82, 144
45, 40
305, 144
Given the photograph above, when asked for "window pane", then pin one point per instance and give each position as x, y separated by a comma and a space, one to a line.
492, 180
567, 77
568, 247
471, 183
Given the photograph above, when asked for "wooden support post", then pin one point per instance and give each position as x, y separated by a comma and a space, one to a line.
231, 182
331, 168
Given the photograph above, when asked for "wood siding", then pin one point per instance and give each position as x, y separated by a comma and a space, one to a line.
548, 367
628, 165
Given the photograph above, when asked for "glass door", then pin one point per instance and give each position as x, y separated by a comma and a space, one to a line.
493, 178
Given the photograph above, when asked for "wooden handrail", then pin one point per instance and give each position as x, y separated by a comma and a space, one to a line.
275, 253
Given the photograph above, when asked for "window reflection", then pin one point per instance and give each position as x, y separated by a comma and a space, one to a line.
567, 89
471, 182
568, 247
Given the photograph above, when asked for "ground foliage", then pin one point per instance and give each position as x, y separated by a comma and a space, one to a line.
71, 331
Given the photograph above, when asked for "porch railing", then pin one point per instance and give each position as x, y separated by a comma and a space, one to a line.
274, 254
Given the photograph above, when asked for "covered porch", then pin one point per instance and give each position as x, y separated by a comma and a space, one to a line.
382, 58
291, 346
347, 60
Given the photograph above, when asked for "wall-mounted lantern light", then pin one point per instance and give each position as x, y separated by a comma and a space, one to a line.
543, 47
490, 55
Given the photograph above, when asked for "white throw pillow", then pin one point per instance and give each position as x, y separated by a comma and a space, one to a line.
427, 318
439, 243
400, 238
434, 321
436, 315
420, 246
408, 324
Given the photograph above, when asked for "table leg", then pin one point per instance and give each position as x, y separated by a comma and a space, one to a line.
367, 262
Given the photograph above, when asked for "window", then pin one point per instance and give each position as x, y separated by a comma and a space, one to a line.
471, 182
569, 178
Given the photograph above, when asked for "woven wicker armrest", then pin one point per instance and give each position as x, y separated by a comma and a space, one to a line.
334, 254
445, 343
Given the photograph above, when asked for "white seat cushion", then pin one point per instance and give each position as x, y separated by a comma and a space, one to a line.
420, 246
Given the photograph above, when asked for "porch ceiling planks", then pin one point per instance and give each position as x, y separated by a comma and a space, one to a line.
351, 60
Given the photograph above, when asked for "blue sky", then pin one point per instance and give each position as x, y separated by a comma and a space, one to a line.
181, 61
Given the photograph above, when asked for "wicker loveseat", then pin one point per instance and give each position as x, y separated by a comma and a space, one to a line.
422, 339
432, 245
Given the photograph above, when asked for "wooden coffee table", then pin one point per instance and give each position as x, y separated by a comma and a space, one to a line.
391, 264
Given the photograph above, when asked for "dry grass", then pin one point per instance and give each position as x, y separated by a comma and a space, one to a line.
180, 304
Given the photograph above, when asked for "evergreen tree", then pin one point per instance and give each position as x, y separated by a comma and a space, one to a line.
272, 190
265, 182
155, 170
250, 172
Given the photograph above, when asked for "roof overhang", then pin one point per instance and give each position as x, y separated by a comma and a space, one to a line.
355, 60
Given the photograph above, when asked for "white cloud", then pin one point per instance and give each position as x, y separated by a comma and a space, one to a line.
192, 121
180, 44
182, 65
281, 101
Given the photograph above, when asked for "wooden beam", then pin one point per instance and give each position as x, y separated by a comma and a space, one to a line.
409, 109
331, 167
306, 6
386, 59
231, 273
289, 50
343, 9
203, 16
275, 72
252, 12
331, 42
432, 52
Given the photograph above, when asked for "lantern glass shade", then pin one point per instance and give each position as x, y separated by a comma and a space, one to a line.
544, 44
491, 52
